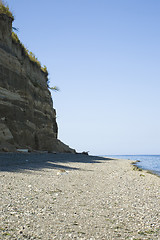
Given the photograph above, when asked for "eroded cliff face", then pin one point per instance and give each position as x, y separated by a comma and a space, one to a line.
27, 117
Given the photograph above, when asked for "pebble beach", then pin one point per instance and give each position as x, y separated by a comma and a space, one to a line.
75, 196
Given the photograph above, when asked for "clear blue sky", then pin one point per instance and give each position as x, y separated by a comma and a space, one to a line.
104, 55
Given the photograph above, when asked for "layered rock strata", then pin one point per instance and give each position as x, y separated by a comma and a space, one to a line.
27, 117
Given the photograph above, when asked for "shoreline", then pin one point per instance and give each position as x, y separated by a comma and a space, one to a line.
137, 161
72, 196
134, 163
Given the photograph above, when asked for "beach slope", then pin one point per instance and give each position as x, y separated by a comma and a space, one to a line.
75, 196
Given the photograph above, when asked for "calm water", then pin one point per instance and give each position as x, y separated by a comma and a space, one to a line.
147, 162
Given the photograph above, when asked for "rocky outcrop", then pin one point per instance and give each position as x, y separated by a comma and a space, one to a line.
27, 117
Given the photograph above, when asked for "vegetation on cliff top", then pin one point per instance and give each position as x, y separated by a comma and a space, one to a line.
4, 9
29, 54
33, 59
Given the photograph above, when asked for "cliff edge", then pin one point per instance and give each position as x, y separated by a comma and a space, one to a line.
27, 116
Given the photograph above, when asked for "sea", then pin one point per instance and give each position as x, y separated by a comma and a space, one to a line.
147, 162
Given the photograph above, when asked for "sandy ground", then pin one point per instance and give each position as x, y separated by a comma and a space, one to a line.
67, 196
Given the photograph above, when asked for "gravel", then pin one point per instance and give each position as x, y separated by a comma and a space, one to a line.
74, 196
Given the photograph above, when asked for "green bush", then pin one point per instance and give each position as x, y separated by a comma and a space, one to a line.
4, 9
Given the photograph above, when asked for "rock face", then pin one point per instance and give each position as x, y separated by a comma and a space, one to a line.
27, 117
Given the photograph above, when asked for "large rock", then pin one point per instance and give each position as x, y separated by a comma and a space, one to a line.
27, 116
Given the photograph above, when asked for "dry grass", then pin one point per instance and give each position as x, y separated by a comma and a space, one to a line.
4, 9
29, 54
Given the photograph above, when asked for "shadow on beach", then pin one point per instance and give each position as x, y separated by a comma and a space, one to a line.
13, 162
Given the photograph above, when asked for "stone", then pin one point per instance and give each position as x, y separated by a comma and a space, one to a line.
27, 116
85, 153
5, 149
5, 133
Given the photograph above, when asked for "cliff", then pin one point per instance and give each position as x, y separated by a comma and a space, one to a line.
27, 117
